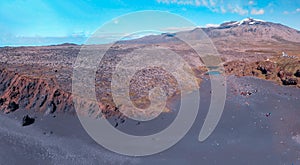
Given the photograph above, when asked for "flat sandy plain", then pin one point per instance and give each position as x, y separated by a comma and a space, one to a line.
245, 134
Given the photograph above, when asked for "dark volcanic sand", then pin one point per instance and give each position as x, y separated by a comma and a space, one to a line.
244, 135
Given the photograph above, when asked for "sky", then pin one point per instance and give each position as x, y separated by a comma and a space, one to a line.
46, 22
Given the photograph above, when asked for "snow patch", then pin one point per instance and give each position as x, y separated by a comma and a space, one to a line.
249, 21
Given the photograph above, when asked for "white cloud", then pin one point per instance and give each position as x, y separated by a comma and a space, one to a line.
250, 2
116, 21
223, 10
212, 2
197, 2
257, 12
177, 29
237, 9
214, 5
205, 3
212, 25
181, 2
292, 12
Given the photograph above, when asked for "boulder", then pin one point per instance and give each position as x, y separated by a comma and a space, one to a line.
290, 81
52, 107
2, 100
12, 106
262, 69
297, 74
27, 120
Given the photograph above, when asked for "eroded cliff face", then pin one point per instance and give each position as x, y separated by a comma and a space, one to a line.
40, 79
284, 71
32, 93
45, 95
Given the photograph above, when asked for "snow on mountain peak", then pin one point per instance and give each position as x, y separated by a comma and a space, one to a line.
250, 21
246, 21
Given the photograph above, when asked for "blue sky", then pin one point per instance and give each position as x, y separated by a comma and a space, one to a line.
34, 22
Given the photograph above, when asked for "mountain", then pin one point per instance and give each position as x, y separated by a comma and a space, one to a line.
248, 29
254, 30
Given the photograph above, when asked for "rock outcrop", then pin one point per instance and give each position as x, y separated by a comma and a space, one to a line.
35, 93
297, 74
290, 81
282, 71
27, 120
43, 94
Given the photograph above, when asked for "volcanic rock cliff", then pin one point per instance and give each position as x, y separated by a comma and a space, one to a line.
34, 93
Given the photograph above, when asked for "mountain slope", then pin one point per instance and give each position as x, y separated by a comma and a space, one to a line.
245, 30
254, 30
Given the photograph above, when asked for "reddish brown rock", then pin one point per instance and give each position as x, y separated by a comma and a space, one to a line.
281, 74
34, 93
